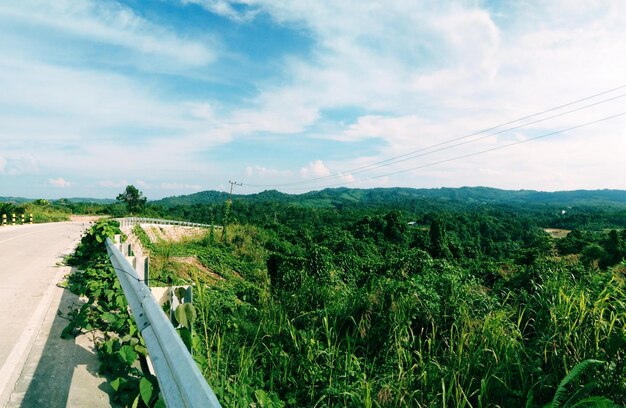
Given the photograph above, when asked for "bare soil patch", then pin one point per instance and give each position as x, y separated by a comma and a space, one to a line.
172, 233
557, 233
190, 264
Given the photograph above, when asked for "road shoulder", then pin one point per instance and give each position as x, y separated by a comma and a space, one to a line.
60, 372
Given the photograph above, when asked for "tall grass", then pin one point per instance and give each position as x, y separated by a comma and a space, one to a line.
436, 337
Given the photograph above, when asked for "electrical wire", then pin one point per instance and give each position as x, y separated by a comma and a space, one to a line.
479, 152
414, 154
411, 156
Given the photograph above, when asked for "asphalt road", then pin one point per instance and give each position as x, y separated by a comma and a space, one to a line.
29, 272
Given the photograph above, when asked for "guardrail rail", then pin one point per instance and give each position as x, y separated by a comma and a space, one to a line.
130, 221
180, 379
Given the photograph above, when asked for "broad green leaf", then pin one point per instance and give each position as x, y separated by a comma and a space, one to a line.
108, 318
146, 389
180, 293
185, 315
127, 354
115, 384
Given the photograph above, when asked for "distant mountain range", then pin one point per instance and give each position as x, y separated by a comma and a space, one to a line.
16, 200
385, 196
337, 197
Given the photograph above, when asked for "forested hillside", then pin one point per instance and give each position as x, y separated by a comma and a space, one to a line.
386, 196
593, 210
406, 301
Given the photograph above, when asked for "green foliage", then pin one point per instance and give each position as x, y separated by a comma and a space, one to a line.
133, 198
92, 242
580, 397
143, 237
340, 303
121, 349
41, 210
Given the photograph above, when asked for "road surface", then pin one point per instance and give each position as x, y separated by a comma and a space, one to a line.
29, 271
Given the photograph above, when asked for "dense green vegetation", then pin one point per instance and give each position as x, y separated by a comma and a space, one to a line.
388, 298
589, 210
408, 303
59, 210
376, 196
41, 210
120, 347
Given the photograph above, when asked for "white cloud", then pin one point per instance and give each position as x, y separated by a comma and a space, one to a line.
109, 23
413, 73
113, 184
16, 163
438, 72
59, 182
181, 186
316, 168
365, 51
224, 8
265, 172
142, 184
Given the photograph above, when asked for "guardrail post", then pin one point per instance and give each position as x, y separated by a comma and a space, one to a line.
4, 219
23, 219
13, 218
31, 218
139, 263
146, 271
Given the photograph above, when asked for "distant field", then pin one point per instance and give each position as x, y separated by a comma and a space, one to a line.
556, 232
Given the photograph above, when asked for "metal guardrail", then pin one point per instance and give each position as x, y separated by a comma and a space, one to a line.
130, 221
180, 379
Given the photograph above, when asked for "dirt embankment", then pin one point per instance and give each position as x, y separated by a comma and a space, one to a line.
172, 233
185, 267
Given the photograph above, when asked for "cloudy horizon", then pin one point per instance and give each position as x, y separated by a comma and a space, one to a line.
180, 96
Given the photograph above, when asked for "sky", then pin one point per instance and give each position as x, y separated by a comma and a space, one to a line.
181, 96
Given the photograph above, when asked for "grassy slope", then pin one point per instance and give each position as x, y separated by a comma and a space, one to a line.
427, 333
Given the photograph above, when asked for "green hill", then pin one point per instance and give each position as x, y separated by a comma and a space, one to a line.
388, 196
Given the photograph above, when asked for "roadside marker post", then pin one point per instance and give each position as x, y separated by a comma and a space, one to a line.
31, 218
13, 218
22, 219
4, 219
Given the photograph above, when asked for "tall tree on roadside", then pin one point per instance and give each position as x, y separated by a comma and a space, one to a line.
133, 198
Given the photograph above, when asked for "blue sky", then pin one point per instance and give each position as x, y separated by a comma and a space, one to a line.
179, 96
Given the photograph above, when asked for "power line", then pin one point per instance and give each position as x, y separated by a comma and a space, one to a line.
232, 184
413, 154
479, 152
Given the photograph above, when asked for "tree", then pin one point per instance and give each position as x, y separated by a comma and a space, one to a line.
614, 248
395, 227
133, 199
438, 244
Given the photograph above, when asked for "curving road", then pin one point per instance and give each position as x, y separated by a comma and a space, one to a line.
29, 272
